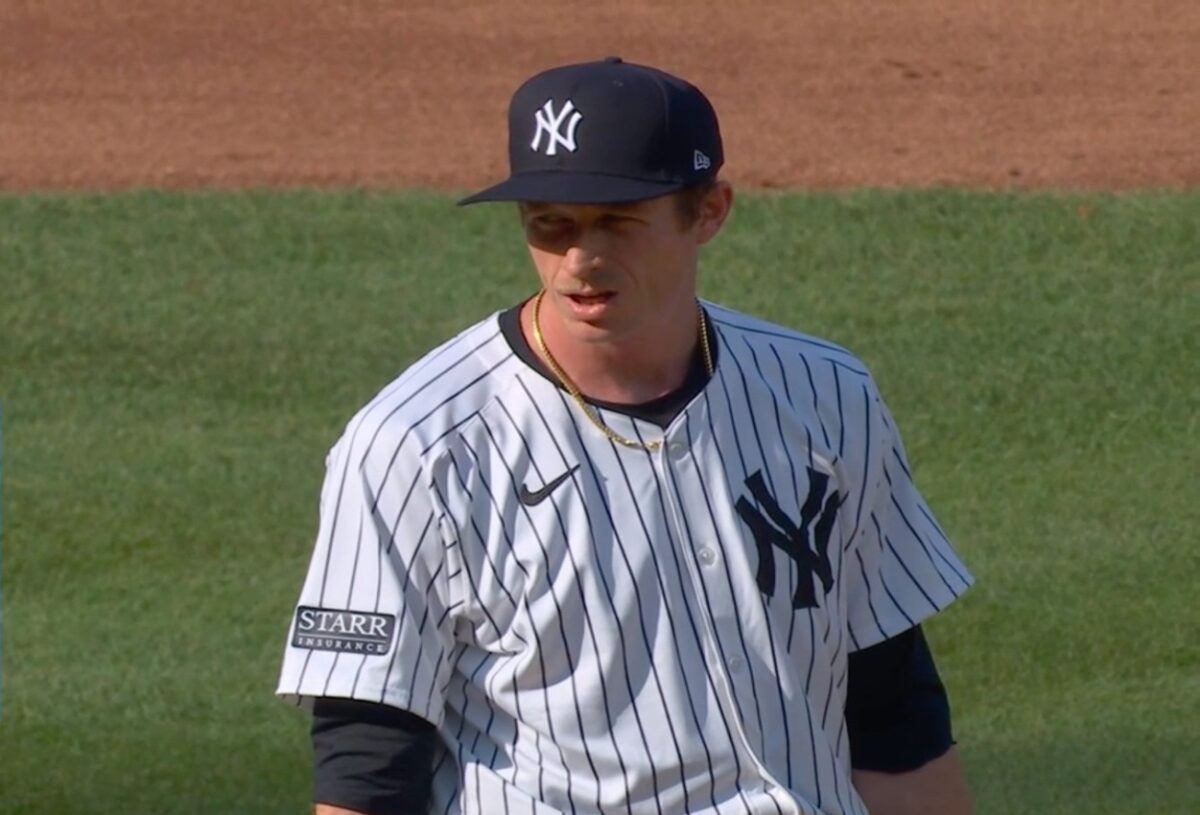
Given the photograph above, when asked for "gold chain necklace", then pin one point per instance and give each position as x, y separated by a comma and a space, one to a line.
588, 410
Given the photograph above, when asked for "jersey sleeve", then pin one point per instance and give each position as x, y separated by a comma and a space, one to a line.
374, 620
901, 568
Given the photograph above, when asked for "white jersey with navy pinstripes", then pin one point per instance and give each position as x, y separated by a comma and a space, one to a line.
595, 628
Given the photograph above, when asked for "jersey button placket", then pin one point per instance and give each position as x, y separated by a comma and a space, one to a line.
727, 668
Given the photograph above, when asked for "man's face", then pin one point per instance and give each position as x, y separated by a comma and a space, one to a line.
614, 271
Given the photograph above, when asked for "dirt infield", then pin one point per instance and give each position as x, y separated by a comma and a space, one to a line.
997, 93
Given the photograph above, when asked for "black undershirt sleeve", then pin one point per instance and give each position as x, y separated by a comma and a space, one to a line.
371, 758
897, 712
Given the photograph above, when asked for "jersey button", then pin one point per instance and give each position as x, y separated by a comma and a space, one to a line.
736, 665
706, 556
677, 449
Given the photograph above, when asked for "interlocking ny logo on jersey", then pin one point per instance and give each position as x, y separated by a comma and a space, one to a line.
807, 543
550, 124
358, 632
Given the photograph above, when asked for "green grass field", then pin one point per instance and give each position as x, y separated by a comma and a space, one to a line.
174, 367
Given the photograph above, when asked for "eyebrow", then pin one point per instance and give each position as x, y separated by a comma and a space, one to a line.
540, 207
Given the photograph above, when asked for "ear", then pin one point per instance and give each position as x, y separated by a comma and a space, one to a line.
714, 209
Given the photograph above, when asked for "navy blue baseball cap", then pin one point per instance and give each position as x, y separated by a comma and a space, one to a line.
606, 132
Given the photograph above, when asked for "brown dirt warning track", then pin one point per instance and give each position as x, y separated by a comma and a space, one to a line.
106, 94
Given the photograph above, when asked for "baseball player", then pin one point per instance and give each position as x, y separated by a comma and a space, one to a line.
616, 549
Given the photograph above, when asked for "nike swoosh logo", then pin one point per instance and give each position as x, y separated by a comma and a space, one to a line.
534, 497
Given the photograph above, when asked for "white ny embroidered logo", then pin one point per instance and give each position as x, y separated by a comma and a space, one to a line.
551, 124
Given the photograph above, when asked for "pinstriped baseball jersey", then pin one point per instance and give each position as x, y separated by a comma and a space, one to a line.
595, 628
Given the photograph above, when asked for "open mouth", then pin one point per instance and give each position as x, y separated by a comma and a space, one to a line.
596, 299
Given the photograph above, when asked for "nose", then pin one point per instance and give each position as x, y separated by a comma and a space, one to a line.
581, 258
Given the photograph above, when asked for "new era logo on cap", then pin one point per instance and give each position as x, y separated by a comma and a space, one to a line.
604, 132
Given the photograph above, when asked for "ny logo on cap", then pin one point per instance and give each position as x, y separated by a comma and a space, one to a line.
551, 124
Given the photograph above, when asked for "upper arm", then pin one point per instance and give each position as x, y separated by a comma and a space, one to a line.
897, 712
901, 568
371, 758
374, 617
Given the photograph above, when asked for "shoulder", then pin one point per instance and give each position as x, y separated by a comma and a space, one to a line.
746, 336
436, 393
826, 392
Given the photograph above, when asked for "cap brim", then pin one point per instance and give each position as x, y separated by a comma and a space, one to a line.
572, 188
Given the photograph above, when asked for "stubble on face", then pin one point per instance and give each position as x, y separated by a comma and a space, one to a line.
616, 267
619, 312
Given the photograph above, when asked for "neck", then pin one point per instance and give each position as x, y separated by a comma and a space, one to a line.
630, 370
